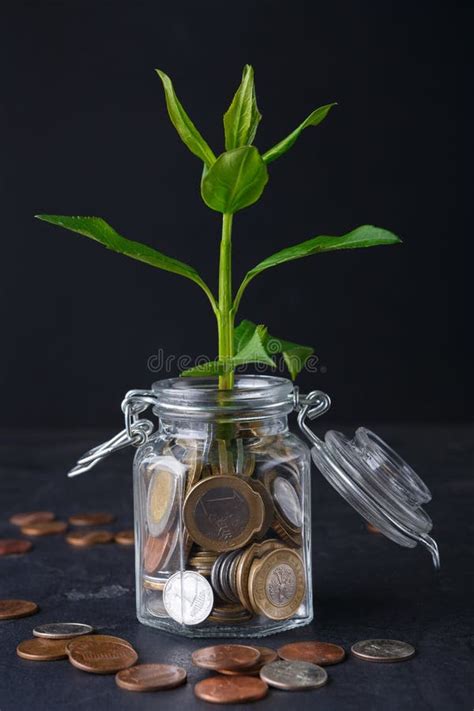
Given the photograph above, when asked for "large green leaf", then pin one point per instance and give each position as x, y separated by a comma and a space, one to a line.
283, 146
242, 117
363, 236
236, 180
98, 229
183, 124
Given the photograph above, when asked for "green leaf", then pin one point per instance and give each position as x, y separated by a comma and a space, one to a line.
294, 355
236, 180
242, 117
99, 230
183, 124
283, 146
364, 236
254, 350
213, 367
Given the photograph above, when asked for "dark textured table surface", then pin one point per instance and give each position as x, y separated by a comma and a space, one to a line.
365, 586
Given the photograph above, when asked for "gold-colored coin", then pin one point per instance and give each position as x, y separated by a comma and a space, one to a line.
223, 513
242, 572
162, 496
278, 584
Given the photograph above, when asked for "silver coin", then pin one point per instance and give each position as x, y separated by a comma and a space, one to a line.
62, 630
155, 606
188, 598
293, 676
383, 650
287, 500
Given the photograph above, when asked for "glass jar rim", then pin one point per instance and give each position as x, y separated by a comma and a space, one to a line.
252, 397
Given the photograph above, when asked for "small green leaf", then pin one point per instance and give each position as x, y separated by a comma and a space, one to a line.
243, 333
242, 117
213, 367
253, 350
283, 146
236, 180
183, 124
99, 230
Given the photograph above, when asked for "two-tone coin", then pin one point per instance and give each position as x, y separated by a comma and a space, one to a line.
231, 689
293, 676
151, 677
321, 653
167, 474
383, 650
188, 598
277, 584
62, 630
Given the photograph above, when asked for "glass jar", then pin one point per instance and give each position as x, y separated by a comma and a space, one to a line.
222, 511
222, 502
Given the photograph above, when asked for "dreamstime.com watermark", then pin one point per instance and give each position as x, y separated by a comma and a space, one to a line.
160, 362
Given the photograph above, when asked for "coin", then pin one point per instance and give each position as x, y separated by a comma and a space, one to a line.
231, 689
222, 513
322, 653
287, 501
125, 538
42, 650
372, 529
44, 528
155, 551
62, 630
383, 650
267, 656
85, 539
226, 656
91, 654
188, 598
162, 498
244, 565
269, 509
293, 676
13, 609
151, 677
12, 546
155, 607
278, 584
91, 519
24, 519
154, 583
96, 639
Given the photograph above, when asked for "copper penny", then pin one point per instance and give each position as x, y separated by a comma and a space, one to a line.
97, 656
226, 656
42, 650
155, 551
44, 528
321, 653
12, 546
91, 519
125, 538
85, 539
24, 519
151, 677
231, 689
96, 639
267, 655
12, 609
372, 529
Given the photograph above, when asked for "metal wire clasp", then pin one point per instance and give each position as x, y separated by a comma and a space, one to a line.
136, 431
310, 406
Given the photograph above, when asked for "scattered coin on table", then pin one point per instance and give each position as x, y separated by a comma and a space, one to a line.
96, 656
14, 546
97, 639
322, 653
226, 656
151, 677
86, 539
62, 630
125, 538
383, 650
44, 528
293, 676
231, 689
13, 609
267, 655
42, 650
26, 518
91, 519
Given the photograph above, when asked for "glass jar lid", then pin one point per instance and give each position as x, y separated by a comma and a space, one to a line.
374, 480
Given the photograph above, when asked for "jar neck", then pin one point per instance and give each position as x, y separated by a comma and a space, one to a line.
203, 429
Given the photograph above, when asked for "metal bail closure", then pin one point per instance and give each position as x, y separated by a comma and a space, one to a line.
136, 431
374, 480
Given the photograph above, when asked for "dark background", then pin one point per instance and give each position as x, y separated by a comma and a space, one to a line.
85, 131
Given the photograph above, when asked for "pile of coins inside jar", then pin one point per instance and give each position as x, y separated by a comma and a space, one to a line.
223, 530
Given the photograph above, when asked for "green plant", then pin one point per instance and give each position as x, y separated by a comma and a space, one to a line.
231, 182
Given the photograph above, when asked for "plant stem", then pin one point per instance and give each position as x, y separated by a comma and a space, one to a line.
225, 319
